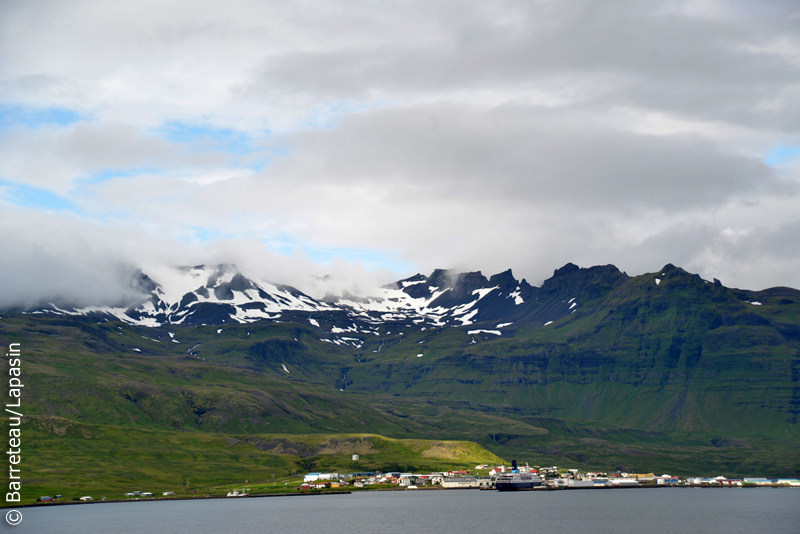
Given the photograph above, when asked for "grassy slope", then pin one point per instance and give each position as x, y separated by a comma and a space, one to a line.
681, 377
73, 459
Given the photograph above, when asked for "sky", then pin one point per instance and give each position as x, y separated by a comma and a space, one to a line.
371, 140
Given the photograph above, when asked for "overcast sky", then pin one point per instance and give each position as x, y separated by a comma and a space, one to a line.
377, 139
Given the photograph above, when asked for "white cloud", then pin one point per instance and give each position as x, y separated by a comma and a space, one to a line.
452, 134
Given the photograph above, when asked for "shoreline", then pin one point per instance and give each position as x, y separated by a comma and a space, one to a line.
170, 499
349, 492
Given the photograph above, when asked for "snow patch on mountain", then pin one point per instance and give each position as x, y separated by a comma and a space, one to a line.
516, 296
465, 321
495, 332
484, 291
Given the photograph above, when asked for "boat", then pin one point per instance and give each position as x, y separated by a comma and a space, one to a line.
514, 480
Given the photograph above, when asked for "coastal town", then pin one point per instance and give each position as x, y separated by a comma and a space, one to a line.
483, 477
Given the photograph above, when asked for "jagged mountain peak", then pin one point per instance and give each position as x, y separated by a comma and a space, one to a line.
570, 280
449, 278
221, 294
503, 280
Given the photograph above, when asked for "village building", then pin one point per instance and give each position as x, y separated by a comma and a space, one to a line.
313, 477
460, 482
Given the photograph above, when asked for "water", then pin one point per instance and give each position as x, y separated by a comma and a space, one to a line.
668, 510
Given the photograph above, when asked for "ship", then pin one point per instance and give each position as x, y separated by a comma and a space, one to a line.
514, 480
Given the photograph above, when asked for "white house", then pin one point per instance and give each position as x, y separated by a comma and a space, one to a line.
314, 477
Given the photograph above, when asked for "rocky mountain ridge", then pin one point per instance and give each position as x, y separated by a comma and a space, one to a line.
220, 294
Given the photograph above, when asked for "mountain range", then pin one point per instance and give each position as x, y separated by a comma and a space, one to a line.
661, 371
220, 294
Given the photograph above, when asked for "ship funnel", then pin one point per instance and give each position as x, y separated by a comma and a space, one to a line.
513, 466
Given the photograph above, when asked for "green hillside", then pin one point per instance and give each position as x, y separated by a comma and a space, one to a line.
74, 459
683, 355
680, 375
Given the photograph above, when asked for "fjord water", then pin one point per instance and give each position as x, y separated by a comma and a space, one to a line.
663, 510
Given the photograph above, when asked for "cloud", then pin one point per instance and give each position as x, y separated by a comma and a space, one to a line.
445, 134
67, 259
55, 157
55, 258
518, 153
735, 65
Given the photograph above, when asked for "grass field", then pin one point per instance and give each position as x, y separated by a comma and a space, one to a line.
75, 459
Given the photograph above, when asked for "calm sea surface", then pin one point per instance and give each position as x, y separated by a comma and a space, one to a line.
678, 510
